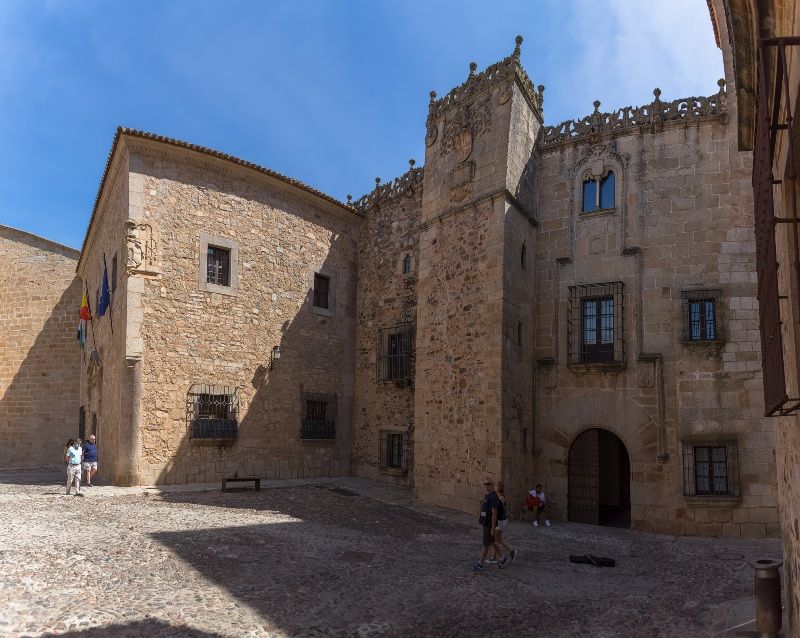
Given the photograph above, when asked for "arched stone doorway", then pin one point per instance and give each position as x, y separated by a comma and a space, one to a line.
599, 487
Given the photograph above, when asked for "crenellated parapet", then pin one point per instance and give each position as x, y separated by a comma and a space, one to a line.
653, 117
477, 83
407, 184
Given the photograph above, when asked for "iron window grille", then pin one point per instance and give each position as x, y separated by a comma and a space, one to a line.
212, 412
318, 421
394, 453
775, 117
711, 468
321, 291
701, 314
394, 353
218, 268
595, 325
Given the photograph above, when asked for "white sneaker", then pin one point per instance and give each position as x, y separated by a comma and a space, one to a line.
547, 523
491, 560
536, 523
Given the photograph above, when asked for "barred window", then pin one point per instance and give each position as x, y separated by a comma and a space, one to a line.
393, 451
218, 266
212, 412
595, 324
711, 468
318, 419
394, 353
321, 291
701, 317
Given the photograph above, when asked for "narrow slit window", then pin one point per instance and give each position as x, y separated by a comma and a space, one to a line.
406, 264
321, 291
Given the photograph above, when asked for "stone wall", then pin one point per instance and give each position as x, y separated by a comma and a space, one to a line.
682, 222
387, 297
105, 396
39, 353
190, 336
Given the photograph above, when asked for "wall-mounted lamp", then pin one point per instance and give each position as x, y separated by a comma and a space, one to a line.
274, 356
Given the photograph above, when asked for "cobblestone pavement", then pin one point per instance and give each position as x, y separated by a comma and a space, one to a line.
335, 560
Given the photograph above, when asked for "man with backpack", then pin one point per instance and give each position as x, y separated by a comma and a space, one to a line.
490, 508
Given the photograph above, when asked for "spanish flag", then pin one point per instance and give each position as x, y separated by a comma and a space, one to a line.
84, 312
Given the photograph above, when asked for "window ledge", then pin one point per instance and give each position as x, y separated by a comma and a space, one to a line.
318, 442
713, 501
213, 441
703, 343
598, 213
616, 366
325, 312
393, 471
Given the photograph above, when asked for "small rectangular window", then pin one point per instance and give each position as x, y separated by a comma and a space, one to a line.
394, 353
218, 266
595, 324
711, 468
700, 310
114, 273
213, 412
321, 291
318, 420
393, 451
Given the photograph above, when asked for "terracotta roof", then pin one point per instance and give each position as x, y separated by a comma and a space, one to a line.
121, 130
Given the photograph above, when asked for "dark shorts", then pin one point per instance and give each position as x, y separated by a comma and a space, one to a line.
488, 539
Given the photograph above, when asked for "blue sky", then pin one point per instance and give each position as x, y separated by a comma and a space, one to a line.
331, 92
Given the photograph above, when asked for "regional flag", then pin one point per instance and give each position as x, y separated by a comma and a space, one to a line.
85, 313
105, 295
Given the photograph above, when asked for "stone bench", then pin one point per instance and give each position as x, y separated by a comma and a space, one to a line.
246, 479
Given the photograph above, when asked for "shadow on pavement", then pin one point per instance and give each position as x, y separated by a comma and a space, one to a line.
136, 629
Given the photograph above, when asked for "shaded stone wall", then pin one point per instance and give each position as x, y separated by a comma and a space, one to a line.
386, 297
195, 336
39, 354
682, 222
104, 394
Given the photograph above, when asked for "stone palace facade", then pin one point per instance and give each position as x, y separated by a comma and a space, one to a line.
573, 305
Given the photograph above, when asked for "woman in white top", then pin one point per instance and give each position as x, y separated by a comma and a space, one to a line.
539, 505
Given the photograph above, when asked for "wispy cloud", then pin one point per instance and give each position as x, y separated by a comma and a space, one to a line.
630, 49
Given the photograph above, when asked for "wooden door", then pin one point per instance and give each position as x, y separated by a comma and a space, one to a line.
583, 498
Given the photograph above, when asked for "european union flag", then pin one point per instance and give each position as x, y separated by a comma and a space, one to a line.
105, 296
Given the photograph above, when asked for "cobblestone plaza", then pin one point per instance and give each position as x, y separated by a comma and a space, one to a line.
346, 557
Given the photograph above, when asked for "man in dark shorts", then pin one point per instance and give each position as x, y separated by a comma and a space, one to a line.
489, 509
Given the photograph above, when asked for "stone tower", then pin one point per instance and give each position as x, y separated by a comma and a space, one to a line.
474, 366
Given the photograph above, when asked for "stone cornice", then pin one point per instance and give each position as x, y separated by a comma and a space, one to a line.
409, 182
132, 133
477, 83
653, 117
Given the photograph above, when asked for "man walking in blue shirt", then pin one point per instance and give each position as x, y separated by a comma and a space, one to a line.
74, 456
89, 460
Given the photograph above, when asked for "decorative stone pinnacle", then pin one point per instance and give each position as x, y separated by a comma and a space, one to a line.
517, 49
472, 68
540, 88
721, 84
596, 105
411, 162
349, 199
657, 93
433, 96
377, 182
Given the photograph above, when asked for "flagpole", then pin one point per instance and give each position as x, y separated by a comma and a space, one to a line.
91, 316
110, 307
